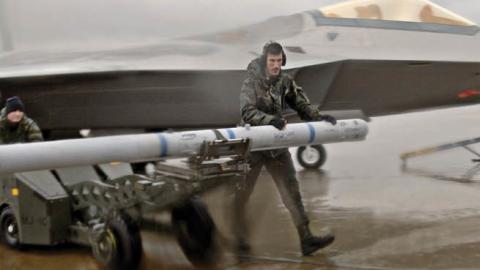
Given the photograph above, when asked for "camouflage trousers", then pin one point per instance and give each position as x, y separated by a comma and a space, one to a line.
280, 167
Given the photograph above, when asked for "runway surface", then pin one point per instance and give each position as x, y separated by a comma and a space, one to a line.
385, 216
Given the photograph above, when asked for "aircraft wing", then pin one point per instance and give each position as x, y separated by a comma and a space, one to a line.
374, 62
380, 87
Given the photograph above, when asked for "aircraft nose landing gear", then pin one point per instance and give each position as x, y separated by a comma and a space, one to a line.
311, 156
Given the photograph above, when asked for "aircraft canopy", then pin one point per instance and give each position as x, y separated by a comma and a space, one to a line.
421, 11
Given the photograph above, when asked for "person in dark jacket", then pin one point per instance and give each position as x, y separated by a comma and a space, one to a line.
264, 95
15, 126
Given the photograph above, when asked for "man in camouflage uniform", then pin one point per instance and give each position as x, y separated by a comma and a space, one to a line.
264, 95
15, 126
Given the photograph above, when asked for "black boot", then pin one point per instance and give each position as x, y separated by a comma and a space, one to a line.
315, 243
311, 243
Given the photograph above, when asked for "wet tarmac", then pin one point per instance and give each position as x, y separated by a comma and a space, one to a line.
425, 215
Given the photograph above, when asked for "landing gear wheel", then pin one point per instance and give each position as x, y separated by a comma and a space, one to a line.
311, 157
120, 245
195, 232
9, 228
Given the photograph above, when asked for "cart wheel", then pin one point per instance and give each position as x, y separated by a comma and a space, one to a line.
9, 228
120, 245
195, 232
311, 157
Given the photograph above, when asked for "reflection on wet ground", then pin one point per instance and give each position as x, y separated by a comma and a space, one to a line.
384, 216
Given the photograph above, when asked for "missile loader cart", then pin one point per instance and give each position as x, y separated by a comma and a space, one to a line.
104, 206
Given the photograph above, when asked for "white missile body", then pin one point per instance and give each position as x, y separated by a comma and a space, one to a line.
141, 147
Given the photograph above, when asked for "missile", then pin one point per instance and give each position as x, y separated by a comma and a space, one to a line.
151, 146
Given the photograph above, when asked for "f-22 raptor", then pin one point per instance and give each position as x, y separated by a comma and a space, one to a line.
358, 58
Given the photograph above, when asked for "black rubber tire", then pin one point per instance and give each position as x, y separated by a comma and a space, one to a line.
11, 238
312, 165
123, 233
195, 232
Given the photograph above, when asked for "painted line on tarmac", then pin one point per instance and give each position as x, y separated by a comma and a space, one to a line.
251, 258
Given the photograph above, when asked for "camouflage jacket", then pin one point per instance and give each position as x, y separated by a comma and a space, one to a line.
26, 131
262, 100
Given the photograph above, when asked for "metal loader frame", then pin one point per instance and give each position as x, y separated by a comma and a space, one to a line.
104, 206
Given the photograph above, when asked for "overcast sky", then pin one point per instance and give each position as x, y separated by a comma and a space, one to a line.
36, 24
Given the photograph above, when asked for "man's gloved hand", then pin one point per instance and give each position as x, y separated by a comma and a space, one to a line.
327, 118
278, 122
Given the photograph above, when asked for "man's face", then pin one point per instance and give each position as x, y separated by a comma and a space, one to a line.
274, 64
15, 116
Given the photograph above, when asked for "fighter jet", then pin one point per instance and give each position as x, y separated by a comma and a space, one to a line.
372, 56
356, 59
360, 57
